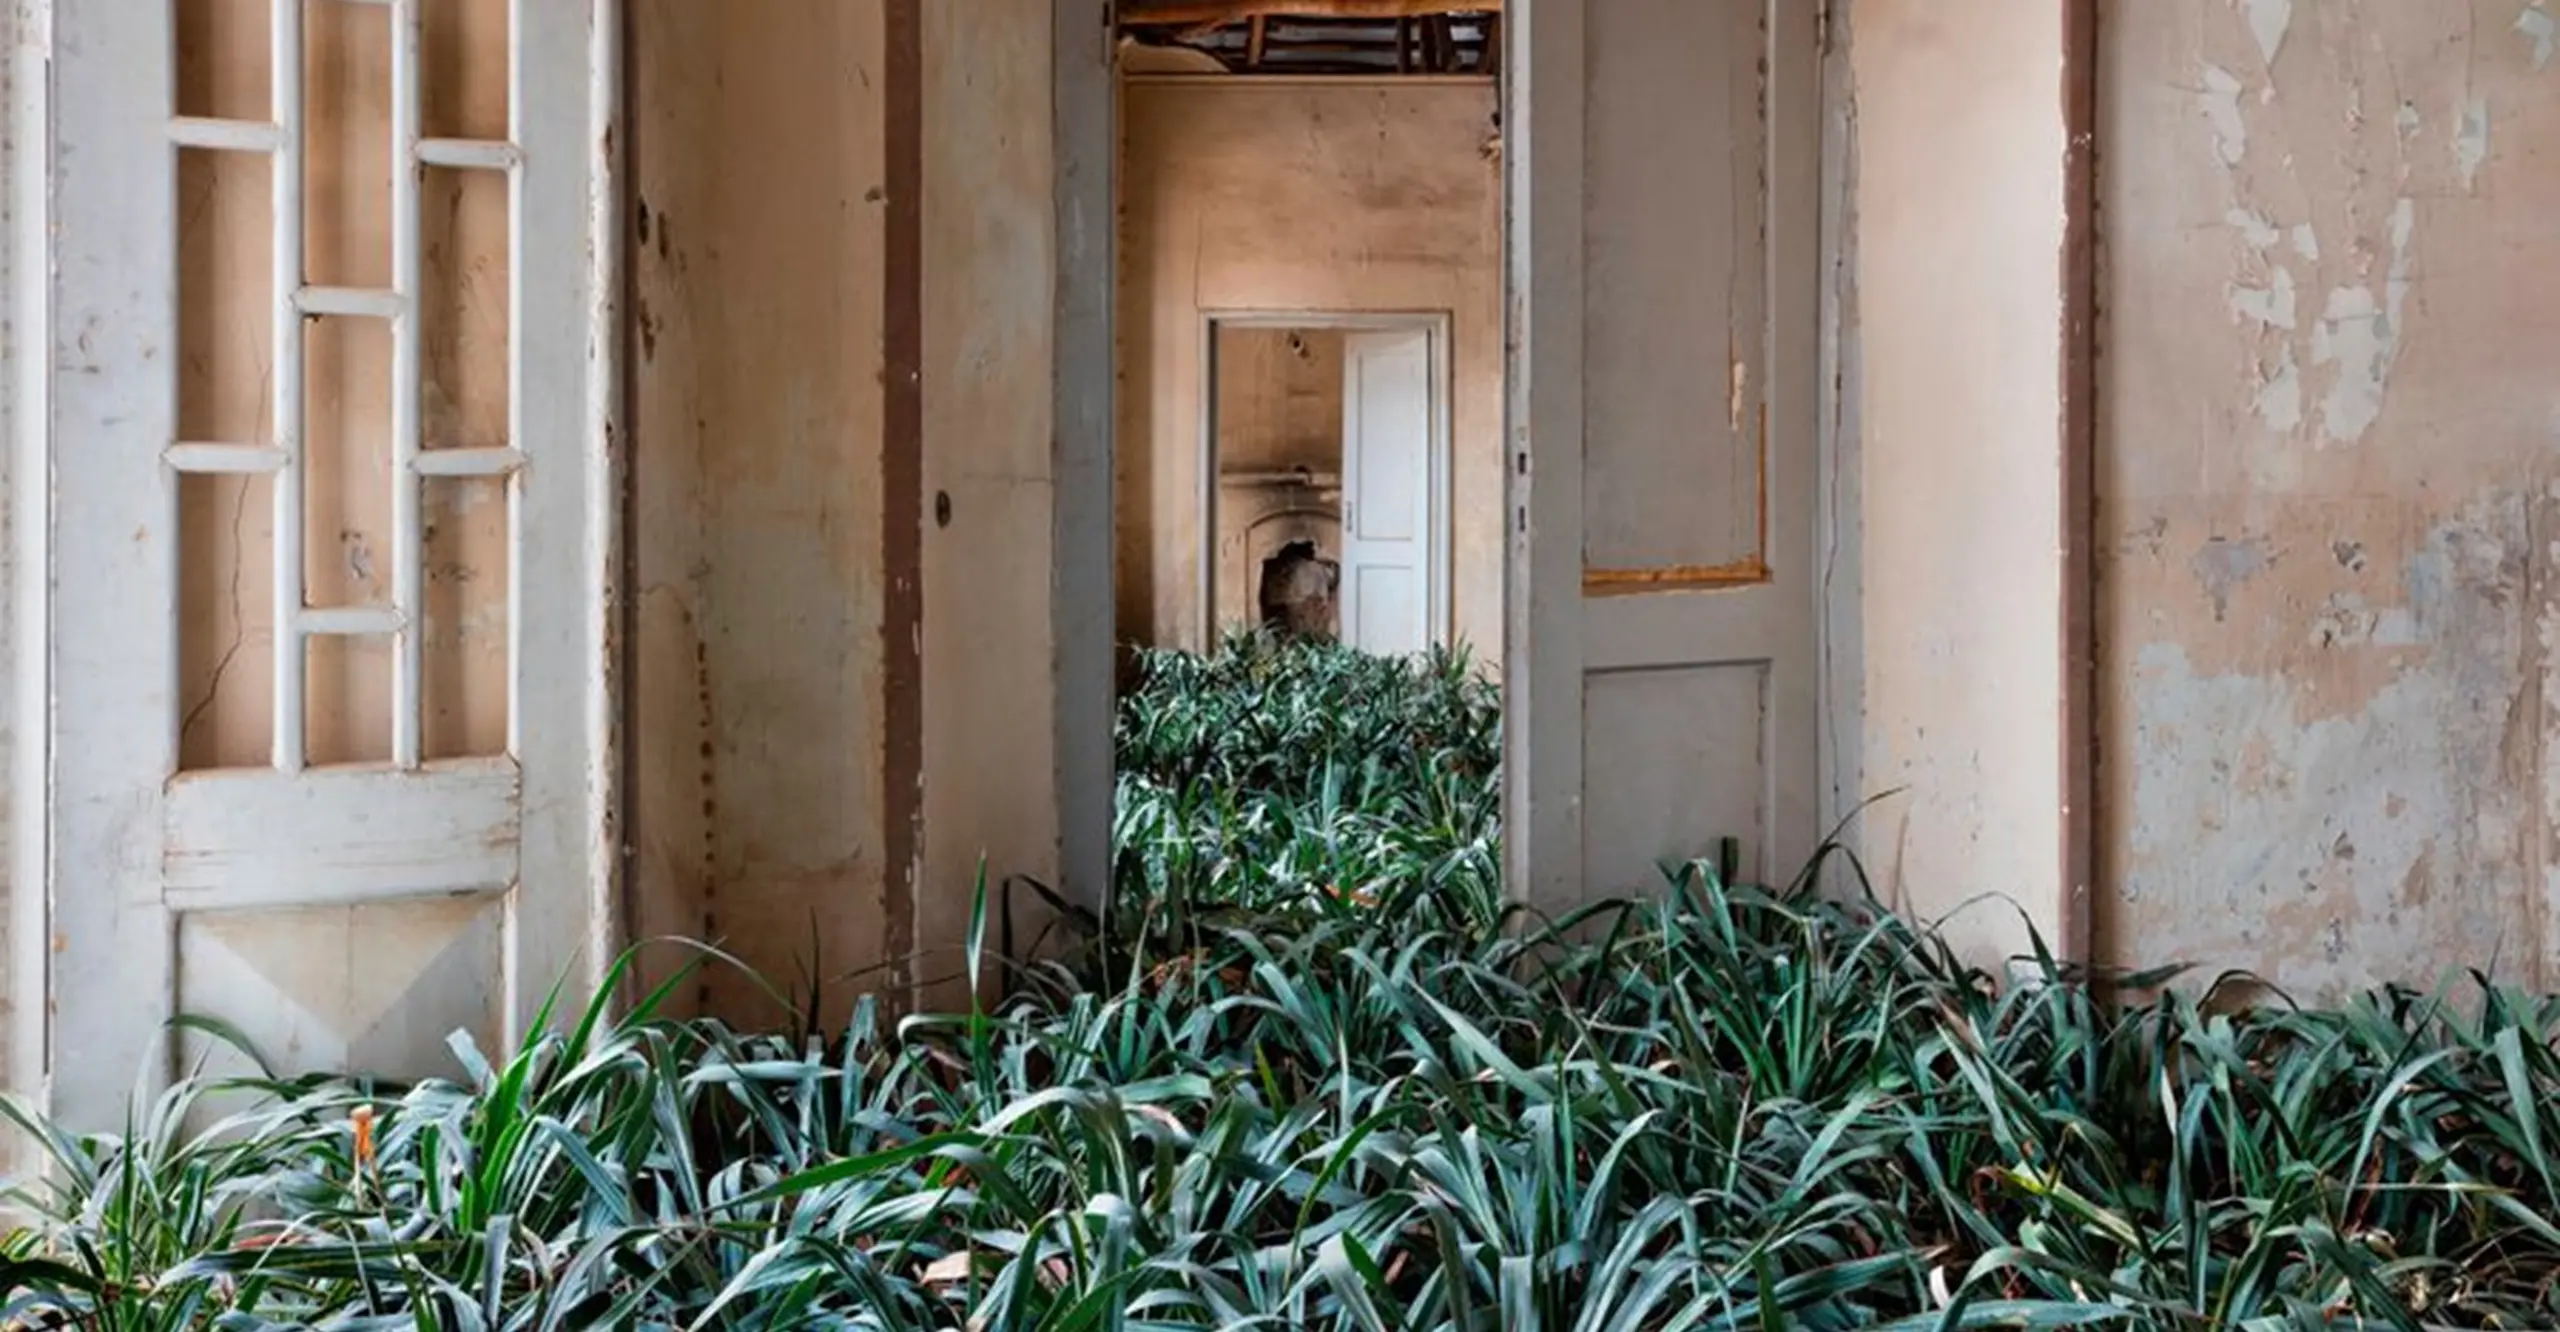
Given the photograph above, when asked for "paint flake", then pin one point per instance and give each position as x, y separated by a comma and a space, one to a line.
2306, 242
2268, 20
2271, 305
2359, 334
2253, 227
2471, 140
2537, 24
2220, 100
2279, 401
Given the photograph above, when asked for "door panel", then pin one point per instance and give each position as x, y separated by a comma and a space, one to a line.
340, 914
1387, 442
1659, 657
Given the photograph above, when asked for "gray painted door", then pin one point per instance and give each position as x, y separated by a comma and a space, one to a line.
1659, 665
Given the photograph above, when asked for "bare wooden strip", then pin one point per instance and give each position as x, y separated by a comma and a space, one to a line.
192, 458
227, 136
339, 836
468, 462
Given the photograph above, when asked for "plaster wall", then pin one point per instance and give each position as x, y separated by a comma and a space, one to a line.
990, 786
799, 796
1955, 278
1350, 195
1280, 401
2327, 489
758, 172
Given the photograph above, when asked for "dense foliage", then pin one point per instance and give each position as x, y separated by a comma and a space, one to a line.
1272, 766
1720, 1107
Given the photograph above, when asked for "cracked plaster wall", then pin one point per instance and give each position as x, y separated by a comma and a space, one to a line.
2327, 490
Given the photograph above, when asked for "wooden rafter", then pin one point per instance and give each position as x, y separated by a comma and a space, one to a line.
1232, 11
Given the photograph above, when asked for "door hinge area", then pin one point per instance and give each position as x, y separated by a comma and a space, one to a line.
1822, 25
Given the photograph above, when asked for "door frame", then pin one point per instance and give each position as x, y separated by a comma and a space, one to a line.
1437, 325
59, 875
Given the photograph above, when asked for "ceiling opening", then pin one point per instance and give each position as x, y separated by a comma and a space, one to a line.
1312, 37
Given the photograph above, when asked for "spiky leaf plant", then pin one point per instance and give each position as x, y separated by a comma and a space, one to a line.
1719, 1106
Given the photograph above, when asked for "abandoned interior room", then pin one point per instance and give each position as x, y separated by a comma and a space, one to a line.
493, 484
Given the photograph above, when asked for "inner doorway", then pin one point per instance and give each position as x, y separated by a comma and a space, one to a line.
1326, 451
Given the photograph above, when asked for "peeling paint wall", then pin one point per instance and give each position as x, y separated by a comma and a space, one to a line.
2327, 489
758, 253
1268, 195
1957, 188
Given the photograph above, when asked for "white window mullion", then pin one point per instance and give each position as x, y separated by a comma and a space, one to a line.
285, 76
408, 335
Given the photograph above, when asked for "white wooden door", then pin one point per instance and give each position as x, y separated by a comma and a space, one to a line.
1659, 667
1388, 424
346, 914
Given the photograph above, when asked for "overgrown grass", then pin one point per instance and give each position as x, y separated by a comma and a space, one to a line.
1722, 1106
1270, 767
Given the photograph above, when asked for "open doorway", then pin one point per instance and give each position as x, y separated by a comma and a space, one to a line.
1350, 205
1326, 448
1308, 460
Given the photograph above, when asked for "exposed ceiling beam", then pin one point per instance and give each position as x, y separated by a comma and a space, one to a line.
1231, 11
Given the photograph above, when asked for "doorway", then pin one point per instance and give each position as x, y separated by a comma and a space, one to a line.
1325, 457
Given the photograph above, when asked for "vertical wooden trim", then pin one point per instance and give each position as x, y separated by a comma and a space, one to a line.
1542, 657
24, 263
609, 411
109, 533
627, 914
1839, 536
902, 491
1085, 122
2079, 479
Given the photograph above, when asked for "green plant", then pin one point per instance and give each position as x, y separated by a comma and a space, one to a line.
1721, 1106
1278, 775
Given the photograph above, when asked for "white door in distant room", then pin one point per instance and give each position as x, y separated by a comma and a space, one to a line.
1391, 583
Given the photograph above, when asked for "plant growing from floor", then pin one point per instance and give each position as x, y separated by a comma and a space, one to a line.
1269, 1105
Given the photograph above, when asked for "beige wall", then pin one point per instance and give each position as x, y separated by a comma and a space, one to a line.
990, 776
1957, 188
1305, 195
780, 760
758, 746
2328, 509
1280, 399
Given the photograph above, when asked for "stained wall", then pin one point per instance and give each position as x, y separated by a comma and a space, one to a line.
2326, 488
1952, 275
1279, 425
759, 222
1267, 195
991, 783
844, 669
